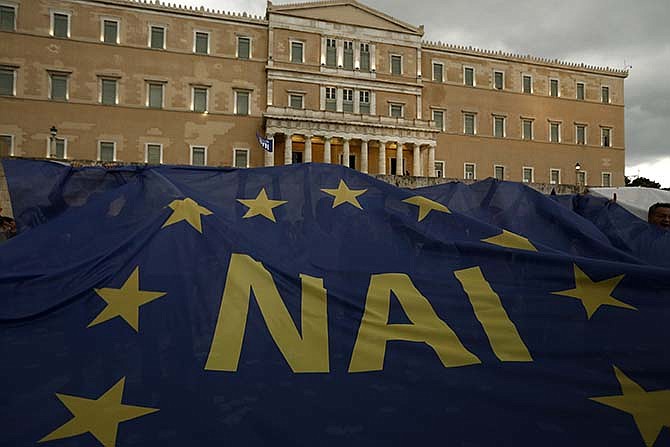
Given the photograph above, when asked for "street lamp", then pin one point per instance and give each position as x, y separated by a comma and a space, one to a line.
578, 167
52, 146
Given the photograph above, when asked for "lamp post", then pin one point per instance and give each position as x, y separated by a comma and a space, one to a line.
52, 145
578, 168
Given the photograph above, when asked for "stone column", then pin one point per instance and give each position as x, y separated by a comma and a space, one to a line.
382, 157
270, 156
308, 148
416, 168
345, 152
431, 161
288, 150
326, 149
364, 156
398, 158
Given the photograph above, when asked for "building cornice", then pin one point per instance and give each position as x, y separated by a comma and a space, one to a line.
158, 6
523, 58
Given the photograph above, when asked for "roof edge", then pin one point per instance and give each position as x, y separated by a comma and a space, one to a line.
474, 51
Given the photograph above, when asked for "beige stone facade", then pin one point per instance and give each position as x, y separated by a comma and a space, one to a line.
331, 81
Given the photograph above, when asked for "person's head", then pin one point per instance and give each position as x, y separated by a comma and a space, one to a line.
659, 214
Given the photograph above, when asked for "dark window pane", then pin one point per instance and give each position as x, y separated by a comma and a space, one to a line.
198, 156
59, 87
243, 48
242, 103
156, 96
111, 31
240, 159
157, 37
5, 145
108, 91
7, 82
153, 154
396, 65
106, 151
7, 15
201, 43
199, 99
296, 52
498, 80
60, 25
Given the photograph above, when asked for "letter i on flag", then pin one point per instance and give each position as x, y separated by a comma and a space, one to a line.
265, 143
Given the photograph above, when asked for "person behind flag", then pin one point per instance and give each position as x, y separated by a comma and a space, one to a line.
659, 214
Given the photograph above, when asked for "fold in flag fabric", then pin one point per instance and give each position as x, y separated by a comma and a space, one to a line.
314, 305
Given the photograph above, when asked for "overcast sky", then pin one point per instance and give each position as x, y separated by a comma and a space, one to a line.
608, 33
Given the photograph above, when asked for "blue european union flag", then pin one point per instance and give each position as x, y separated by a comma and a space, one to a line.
314, 305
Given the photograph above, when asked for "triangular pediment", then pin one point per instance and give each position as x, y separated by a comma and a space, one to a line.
348, 12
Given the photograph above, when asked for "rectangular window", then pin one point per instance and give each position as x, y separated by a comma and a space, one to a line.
331, 53
605, 137
527, 129
6, 145
331, 99
243, 48
201, 43
580, 134
108, 92
469, 171
438, 117
296, 101
555, 176
364, 102
59, 87
241, 158
157, 37
154, 154
296, 158
199, 99
110, 31
347, 100
155, 96
581, 178
555, 132
469, 76
605, 94
60, 25
365, 57
107, 151
553, 87
580, 90
57, 148
396, 64
198, 155
527, 84
606, 179
242, 102
527, 175
439, 169
498, 80
296, 52
499, 126
499, 172
438, 72
396, 110
7, 82
469, 123
7, 18
348, 55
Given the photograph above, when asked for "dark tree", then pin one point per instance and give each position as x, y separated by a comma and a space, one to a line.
643, 181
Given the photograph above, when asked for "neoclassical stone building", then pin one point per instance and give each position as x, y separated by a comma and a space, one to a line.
332, 81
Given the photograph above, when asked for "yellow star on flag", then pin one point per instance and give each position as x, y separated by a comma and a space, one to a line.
345, 195
100, 417
594, 294
188, 210
261, 205
650, 409
426, 206
508, 239
125, 302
